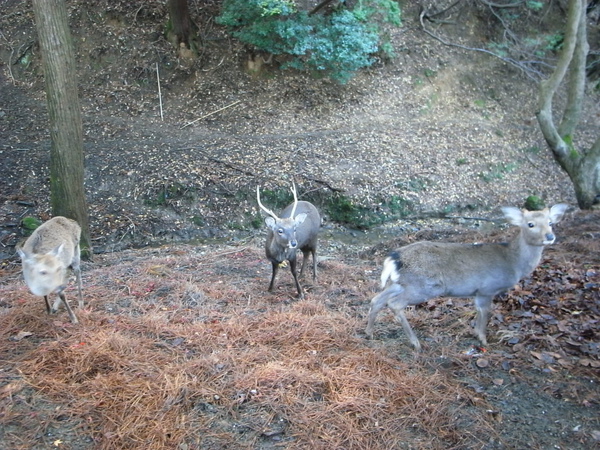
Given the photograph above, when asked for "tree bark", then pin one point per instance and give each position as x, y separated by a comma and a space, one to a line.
582, 166
67, 194
180, 21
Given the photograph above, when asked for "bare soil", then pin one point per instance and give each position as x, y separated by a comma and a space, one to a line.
180, 345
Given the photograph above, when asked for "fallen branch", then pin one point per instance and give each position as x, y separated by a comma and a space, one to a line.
324, 183
159, 93
210, 114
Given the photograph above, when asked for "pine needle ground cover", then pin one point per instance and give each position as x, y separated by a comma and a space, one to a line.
182, 348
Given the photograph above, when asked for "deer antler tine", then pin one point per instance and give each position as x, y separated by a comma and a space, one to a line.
295, 199
268, 211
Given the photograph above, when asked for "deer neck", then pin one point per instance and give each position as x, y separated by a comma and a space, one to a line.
525, 257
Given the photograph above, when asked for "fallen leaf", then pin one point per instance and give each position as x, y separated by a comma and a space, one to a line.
589, 362
11, 388
21, 335
482, 363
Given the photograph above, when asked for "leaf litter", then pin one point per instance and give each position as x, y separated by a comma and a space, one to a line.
182, 347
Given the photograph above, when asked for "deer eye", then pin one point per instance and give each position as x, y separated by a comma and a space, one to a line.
280, 231
43, 272
531, 224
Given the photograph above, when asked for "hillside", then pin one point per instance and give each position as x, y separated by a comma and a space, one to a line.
437, 130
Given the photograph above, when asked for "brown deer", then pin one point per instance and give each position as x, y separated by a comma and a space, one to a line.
425, 270
296, 229
46, 255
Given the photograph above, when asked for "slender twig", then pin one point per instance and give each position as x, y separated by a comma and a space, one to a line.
159, 93
210, 114
527, 70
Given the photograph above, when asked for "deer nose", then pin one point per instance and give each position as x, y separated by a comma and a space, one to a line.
550, 238
293, 244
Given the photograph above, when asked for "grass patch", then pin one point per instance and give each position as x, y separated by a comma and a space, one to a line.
168, 193
343, 210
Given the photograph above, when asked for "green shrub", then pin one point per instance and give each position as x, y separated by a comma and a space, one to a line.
341, 209
30, 223
335, 45
534, 203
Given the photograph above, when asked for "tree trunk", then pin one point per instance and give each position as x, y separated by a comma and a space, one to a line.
181, 23
582, 166
67, 192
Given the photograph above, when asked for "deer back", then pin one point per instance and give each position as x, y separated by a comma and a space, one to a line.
467, 269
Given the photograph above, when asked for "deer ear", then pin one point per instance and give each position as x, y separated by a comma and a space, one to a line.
300, 218
513, 215
557, 211
57, 250
22, 254
270, 222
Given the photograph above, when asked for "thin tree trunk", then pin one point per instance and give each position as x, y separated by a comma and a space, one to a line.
67, 192
582, 166
180, 21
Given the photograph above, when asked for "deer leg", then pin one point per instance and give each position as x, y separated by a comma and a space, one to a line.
398, 309
379, 302
77, 269
483, 304
314, 261
295, 275
275, 269
305, 254
68, 307
48, 308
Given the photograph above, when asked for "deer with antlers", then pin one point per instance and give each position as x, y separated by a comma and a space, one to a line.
296, 229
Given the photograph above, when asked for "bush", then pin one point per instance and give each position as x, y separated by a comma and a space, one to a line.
336, 44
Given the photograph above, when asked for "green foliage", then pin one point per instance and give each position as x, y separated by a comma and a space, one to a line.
554, 42
497, 171
30, 223
341, 209
534, 203
534, 5
168, 193
336, 44
416, 184
573, 153
499, 48
198, 221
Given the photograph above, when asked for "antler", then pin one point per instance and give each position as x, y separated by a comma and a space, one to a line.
268, 211
293, 188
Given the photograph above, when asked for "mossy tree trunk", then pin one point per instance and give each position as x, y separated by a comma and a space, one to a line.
67, 194
582, 165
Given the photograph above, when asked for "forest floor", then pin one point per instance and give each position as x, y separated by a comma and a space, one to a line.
180, 345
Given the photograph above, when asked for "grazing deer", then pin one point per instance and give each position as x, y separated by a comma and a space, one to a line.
297, 228
46, 255
425, 270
